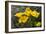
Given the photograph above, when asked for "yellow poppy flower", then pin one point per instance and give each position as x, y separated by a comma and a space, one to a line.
18, 14
28, 11
35, 13
23, 19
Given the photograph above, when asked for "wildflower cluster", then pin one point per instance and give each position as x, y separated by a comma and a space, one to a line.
23, 16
